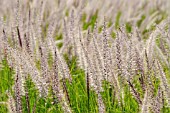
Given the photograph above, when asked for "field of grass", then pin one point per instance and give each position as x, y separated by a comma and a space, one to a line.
84, 56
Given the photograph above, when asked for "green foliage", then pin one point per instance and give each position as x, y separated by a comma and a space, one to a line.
130, 105
39, 104
67, 12
139, 22
113, 34
109, 24
59, 45
6, 80
147, 16
6, 83
91, 22
32, 93
77, 91
59, 37
80, 103
118, 19
38, 65
100, 29
138, 86
167, 73
83, 18
3, 108
128, 27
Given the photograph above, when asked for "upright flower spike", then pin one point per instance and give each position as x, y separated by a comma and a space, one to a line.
100, 104
28, 37
119, 64
87, 46
88, 66
140, 69
39, 21
156, 102
18, 25
17, 12
88, 39
18, 92
81, 55
72, 32
66, 38
50, 33
129, 61
65, 74
88, 89
23, 60
114, 78
144, 106
44, 62
106, 53
164, 83
135, 93
11, 104
149, 83
5, 43
33, 42
19, 37
64, 68
97, 76
118, 54
57, 88
97, 52
55, 78
27, 43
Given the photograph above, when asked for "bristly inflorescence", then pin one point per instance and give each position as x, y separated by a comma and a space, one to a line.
81, 57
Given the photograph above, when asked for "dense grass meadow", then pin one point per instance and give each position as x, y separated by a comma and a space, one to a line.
84, 56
